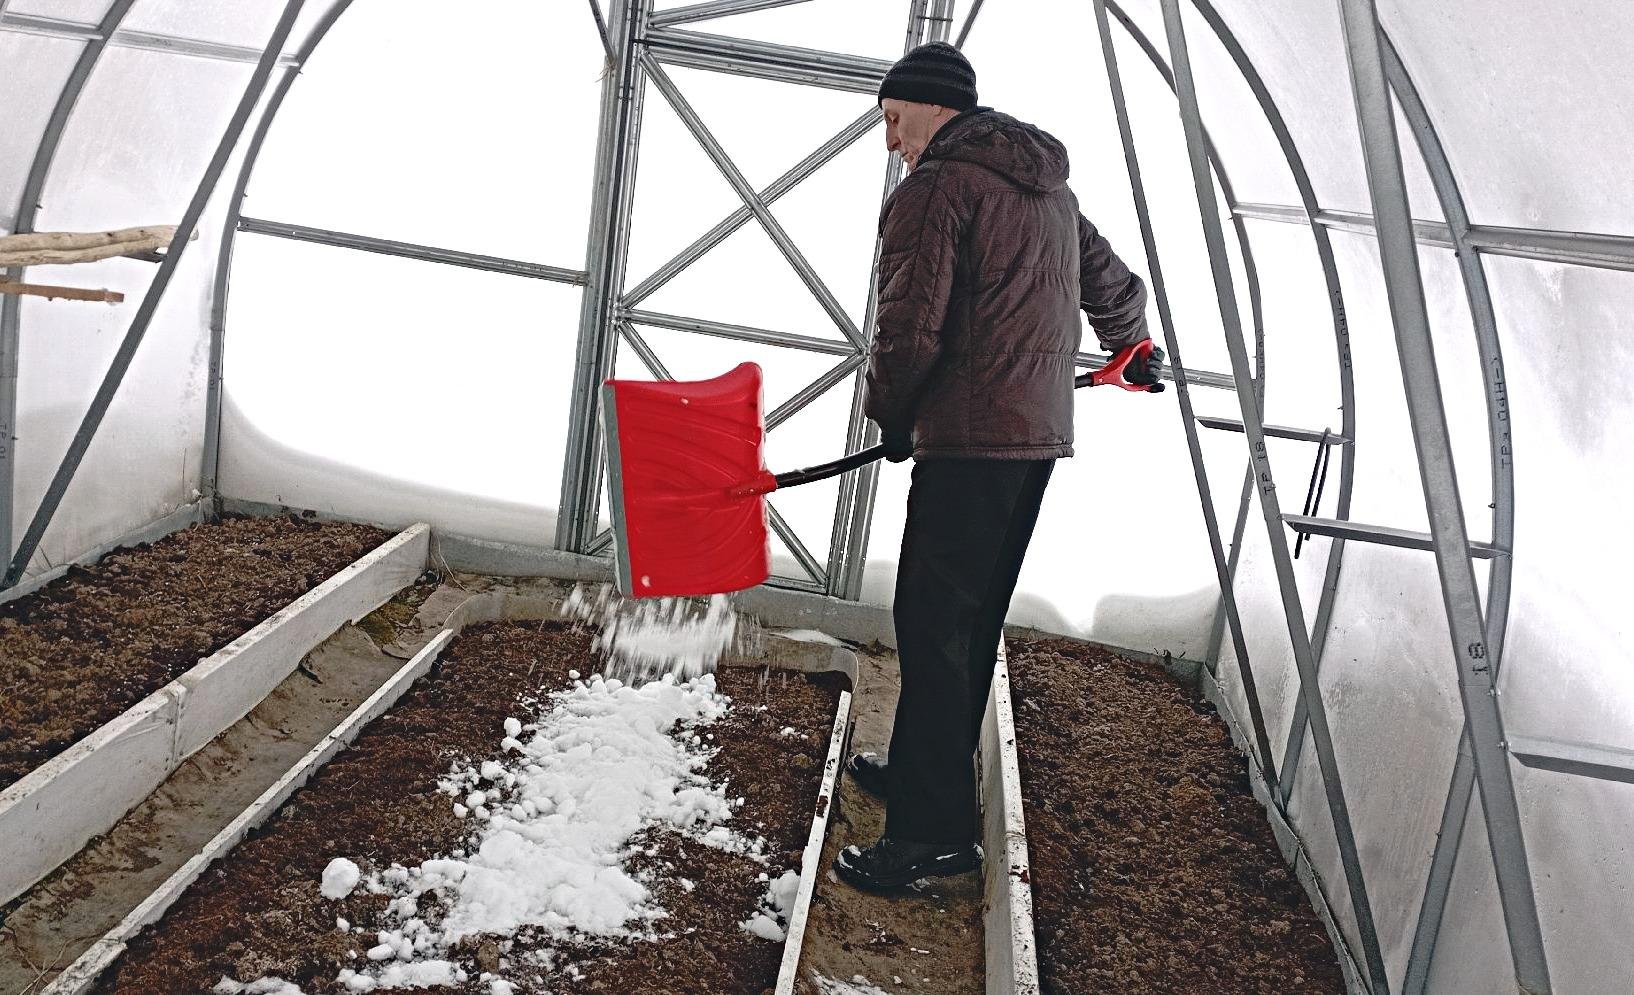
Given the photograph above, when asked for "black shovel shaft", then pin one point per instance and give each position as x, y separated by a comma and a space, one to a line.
823, 471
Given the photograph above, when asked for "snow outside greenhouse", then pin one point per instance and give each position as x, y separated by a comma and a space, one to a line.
398, 594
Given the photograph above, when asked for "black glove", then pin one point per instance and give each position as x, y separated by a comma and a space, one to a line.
1148, 371
898, 443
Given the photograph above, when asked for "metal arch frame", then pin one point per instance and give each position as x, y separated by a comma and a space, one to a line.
210, 460
1398, 251
1267, 759
1225, 293
28, 208
143, 318
1347, 387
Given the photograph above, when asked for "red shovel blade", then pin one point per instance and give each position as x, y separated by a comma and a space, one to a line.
679, 455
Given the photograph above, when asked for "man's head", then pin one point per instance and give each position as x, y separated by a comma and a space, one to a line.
928, 87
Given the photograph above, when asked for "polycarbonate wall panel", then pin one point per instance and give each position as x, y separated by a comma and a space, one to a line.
34, 70
1532, 103
82, 11
1568, 666
127, 158
382, 139
396, 390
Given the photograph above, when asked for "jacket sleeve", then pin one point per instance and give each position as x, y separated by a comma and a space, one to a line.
1113, 297
920, 229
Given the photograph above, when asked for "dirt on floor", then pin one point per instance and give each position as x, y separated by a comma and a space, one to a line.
259, 913
1154, 869
81, 650
926, 940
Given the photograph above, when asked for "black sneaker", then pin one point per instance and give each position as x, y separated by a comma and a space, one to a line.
891, 864
868, 770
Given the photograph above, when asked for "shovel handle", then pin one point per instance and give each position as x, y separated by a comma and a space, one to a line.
1112, 374
844, 464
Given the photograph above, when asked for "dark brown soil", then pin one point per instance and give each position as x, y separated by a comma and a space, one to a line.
258, 912
81, 650
1154, 869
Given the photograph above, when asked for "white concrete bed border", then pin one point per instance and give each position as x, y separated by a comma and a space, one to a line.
1007, 890
51, 813
82, 975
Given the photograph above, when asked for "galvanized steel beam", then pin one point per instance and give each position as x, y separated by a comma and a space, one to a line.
1304, 656
210, 461
1593, 249
743, 333
147, 41
779, 236
150, 301
854, 510
1347, 386
823, 155
1387, 187
411, 250
1267, 759
766, 60
617, 146
1603, 763
713, 9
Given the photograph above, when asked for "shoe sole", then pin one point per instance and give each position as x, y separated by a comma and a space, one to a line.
940, 867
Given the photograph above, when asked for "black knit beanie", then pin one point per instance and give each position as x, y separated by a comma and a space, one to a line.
932, 74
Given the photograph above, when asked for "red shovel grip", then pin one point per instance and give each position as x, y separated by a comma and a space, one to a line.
1112, 373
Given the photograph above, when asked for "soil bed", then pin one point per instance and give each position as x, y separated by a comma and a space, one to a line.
81, 650
259, 913
1154, 869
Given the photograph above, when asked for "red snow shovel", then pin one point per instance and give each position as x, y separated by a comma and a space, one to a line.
688, 482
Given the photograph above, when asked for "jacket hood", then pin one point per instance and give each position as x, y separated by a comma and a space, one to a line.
1029, 157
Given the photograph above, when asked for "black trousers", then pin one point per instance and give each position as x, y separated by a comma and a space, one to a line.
969, 523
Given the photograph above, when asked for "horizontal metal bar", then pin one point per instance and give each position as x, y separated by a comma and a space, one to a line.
410, 250
1201, 378
147, 41
743, 333
713, 9
1605, 763
1575, 248
1275, 431
1383, 535
765, 60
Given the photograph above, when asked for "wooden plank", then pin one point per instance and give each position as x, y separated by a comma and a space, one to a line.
64, 293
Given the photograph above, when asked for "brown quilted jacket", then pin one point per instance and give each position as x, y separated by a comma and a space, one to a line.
984, 264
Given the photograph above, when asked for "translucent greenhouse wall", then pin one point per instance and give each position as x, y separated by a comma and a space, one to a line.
396, 389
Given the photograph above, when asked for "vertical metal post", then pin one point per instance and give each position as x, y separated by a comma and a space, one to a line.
1398, 252
1225, 292
150, 301
1267, 759
617, 146
209, 470
28, 208
854, 511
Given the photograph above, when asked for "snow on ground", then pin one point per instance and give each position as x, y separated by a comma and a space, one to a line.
858, 985
552, 821
771, 921
644, 638
808, 636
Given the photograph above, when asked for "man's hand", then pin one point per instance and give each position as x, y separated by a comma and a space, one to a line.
1146, 371
898, 443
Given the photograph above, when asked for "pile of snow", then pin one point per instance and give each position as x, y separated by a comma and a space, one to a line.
772, 920
553, 825
339, 878
262, 986
643, 639
809, 636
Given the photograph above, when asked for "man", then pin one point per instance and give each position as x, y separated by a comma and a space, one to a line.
985, 262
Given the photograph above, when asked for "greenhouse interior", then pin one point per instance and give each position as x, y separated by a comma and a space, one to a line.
398, 595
